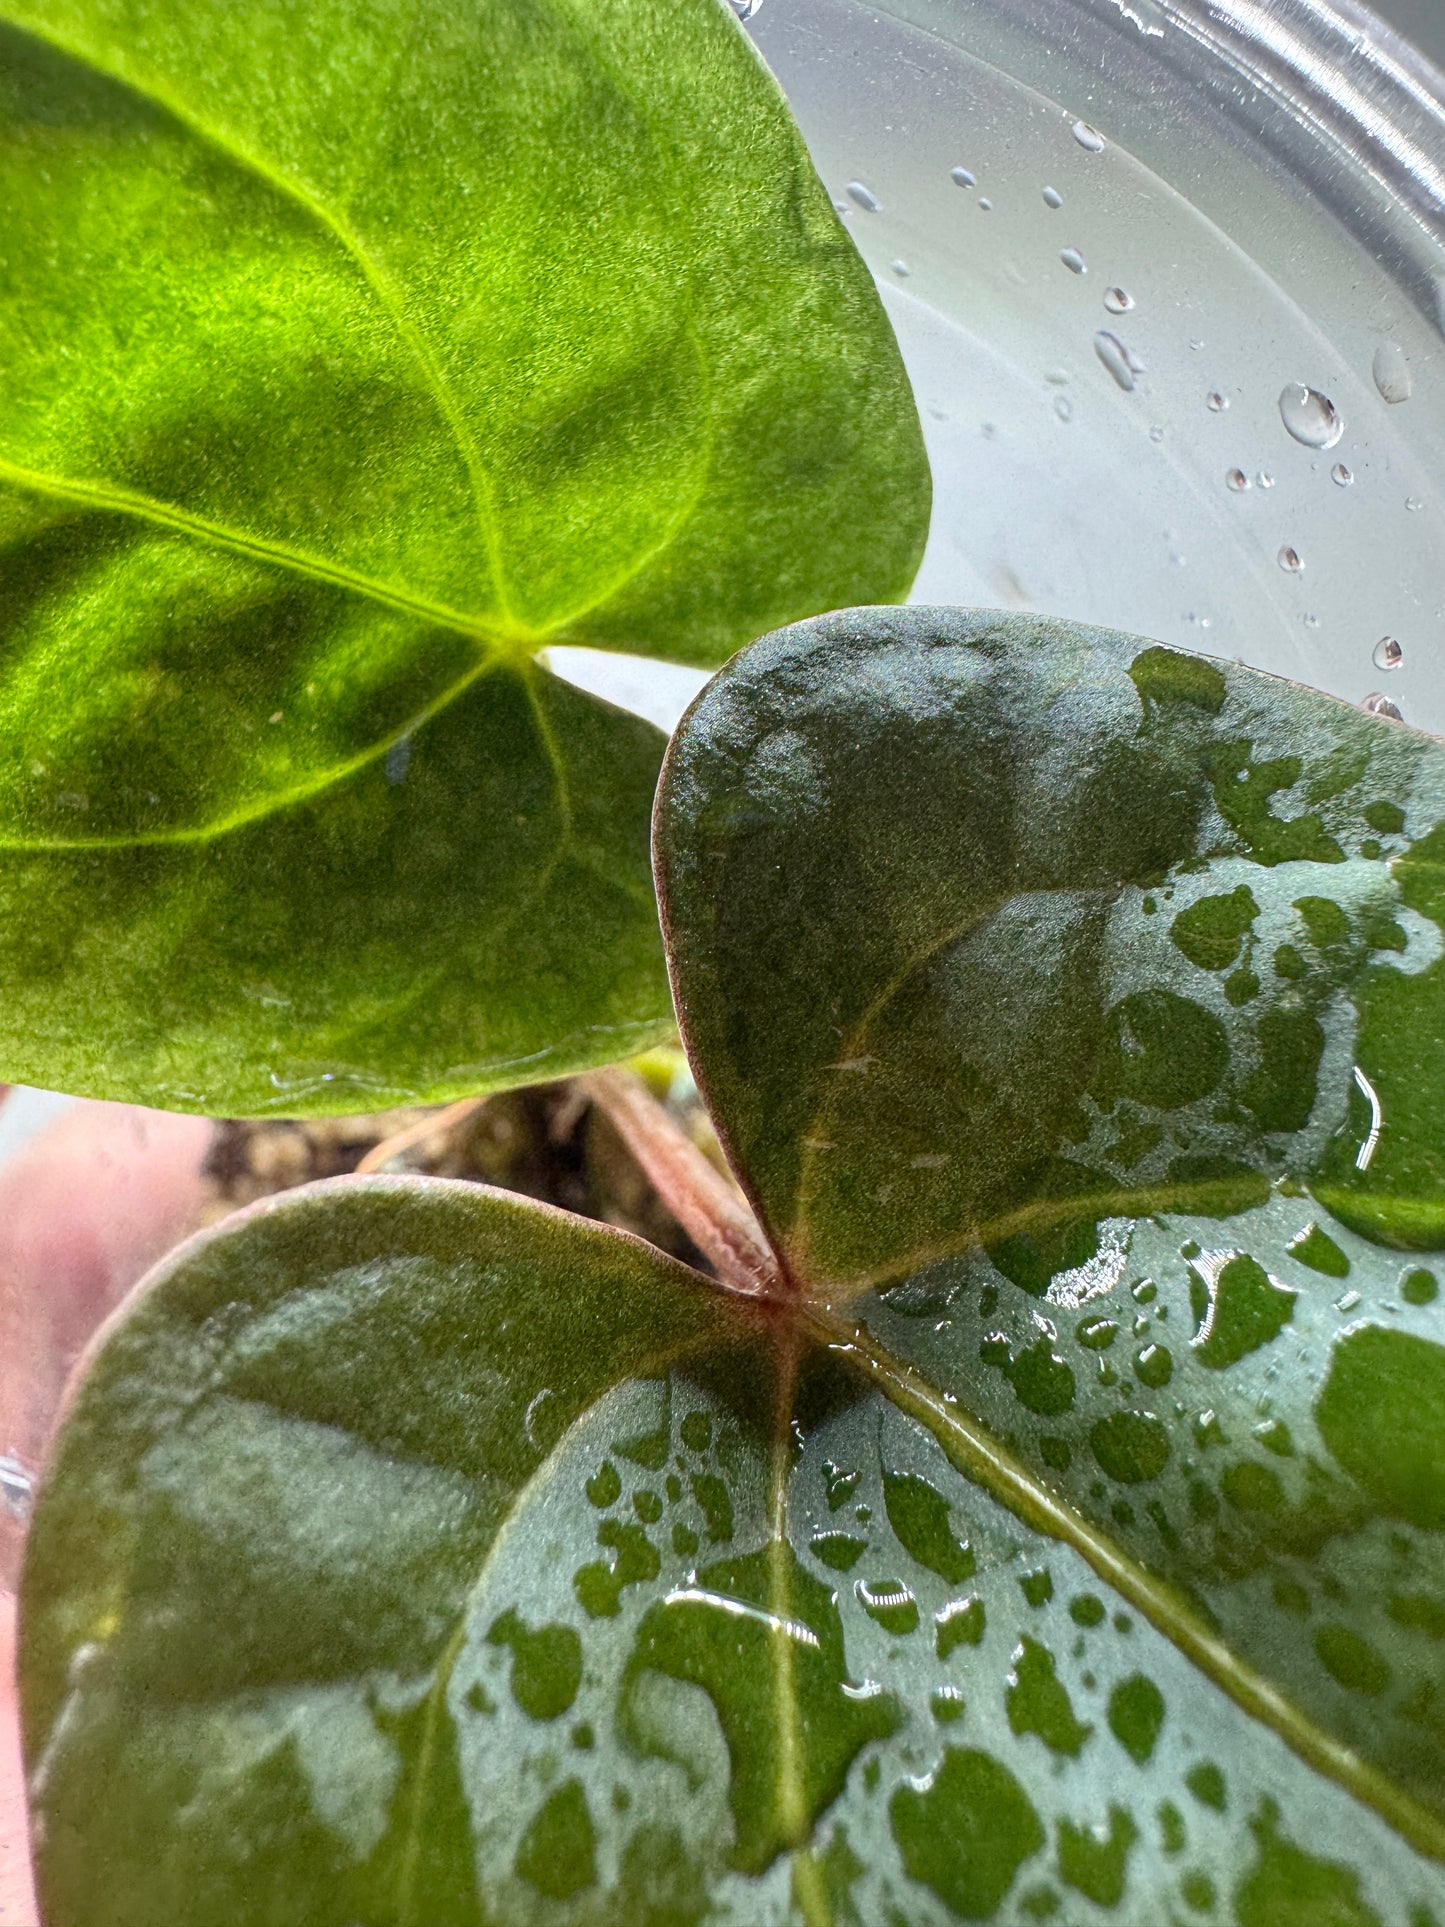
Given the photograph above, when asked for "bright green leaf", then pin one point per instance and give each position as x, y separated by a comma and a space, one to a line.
354, 354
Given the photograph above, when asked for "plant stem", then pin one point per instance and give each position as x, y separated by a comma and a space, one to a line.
380, 1155
707, 1207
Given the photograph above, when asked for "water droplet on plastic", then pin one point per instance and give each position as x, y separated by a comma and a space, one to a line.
1156, 433
745, 9
1310, 621
1117, 359
902, 270
1378, 705
1310, 417
1387, 653
1413, 504
1058, 377
865, 197
1117, 301
1215, 402
1343, 477
1264, 479
1289, 560
985, 204
1393, 374
1063, 408
1237, 480
1052, 197
1073, 261
1089, 138
961, 177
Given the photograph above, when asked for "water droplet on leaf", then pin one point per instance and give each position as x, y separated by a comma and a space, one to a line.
890, 1603
1376, 704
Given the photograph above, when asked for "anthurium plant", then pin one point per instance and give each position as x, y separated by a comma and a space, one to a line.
1039, 1514
1034, 1511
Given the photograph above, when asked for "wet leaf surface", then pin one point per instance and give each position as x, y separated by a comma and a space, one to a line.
429, 1557
355, 357
1075, 1012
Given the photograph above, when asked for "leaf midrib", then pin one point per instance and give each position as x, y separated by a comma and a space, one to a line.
986, 1462
500, 638
276, 802
973, 1450
147, 508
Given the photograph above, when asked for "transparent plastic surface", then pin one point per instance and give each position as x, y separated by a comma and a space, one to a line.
1170, 280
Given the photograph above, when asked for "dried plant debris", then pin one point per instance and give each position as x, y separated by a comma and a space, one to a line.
546, 1142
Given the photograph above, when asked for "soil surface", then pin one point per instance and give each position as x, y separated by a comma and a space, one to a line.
547, 1142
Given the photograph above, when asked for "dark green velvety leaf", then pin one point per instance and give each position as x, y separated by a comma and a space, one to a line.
1075, 1011
381, 1577
354, 354
985, 928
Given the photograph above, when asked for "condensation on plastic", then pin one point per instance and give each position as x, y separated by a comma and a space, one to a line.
1263, 183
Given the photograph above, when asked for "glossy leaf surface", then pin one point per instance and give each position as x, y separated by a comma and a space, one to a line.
1080, 1561
983, 927
417, 1555
1075, 1010
355, 355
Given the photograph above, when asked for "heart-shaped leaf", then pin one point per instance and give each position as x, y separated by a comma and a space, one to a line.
417, 1556
1067, 1546
353, 355
985, 928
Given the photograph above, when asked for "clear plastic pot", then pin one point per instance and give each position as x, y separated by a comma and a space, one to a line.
1170, 279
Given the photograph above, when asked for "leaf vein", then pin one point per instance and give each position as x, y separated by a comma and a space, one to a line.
981, 1458
352, 244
